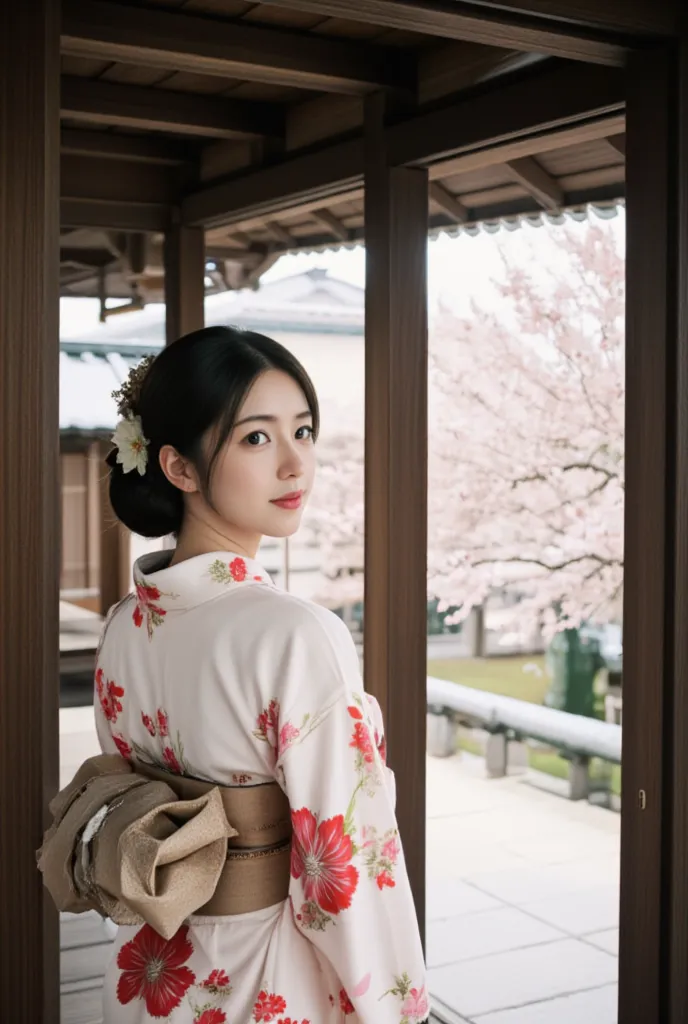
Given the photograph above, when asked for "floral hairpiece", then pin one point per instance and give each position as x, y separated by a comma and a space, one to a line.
128, 437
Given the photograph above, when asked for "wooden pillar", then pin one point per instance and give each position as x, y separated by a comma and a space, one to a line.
395, 623
654, 826
115, 546
184, 257
29, 500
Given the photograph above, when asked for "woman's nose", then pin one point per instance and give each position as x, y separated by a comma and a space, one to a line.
292, 462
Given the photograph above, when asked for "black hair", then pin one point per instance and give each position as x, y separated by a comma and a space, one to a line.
197, 383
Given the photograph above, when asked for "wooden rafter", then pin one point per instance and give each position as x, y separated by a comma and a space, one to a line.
133, 106
331, 223
537, 182
524, 111
484, 22
184, 42
448, 203
280, 233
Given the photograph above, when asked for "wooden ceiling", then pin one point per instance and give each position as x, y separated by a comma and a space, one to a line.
249, 119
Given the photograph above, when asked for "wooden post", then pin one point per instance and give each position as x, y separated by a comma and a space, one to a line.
115, 546
184, 257
396, 215
29, 501
653, 984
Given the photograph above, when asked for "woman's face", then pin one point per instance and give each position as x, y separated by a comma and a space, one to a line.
269, 457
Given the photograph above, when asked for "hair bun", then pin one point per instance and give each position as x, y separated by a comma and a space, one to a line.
148, 505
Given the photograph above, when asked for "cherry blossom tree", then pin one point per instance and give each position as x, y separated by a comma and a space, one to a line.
334, 518
527, 431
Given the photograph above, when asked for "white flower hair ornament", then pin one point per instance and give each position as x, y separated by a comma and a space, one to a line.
128, 438
131, 445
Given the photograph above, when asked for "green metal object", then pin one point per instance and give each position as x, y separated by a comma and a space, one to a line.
573, 661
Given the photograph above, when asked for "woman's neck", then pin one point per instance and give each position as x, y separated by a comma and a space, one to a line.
201, 538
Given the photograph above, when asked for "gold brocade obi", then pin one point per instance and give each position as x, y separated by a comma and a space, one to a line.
139, 844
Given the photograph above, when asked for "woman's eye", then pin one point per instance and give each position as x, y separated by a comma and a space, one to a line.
304, 437
254, 438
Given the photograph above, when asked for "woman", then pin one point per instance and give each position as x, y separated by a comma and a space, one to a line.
210, 671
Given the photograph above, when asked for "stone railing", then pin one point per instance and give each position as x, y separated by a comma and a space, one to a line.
505, 719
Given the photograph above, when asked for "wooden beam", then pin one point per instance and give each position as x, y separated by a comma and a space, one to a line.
135, 148
522, 112
331, 223
218, 251
605, 126
396, 375
254, 274
29, 501
97, 178
203, 45
135, 106
477, 22
184, 258
114, 216
618, 144
653, 985
547, 98
317, 176
86, 257
636, 17
447, 68
537, 182
449, 203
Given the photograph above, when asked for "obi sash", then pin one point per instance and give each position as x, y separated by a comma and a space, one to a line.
139, 844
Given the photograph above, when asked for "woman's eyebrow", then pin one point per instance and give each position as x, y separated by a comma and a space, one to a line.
272, 419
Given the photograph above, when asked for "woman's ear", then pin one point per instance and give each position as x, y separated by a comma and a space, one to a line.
178, 470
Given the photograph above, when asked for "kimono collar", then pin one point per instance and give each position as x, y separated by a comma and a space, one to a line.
162, 588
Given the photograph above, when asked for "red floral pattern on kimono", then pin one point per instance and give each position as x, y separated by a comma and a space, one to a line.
153, 969
108, 694
156, 971
415, 1006
123, 747
321, 856
148, 607
171, 751
268, 1007
345, 1003
280, 736
212, 1017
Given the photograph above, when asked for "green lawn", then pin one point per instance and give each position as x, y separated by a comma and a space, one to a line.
507, 677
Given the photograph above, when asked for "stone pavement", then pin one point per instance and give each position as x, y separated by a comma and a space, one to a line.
522, 894
522, 900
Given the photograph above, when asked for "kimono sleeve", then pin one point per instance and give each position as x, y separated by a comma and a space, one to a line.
107, 698
349, 887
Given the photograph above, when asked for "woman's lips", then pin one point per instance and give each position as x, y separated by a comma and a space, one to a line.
289, 501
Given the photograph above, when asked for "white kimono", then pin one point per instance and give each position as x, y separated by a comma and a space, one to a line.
209, 670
